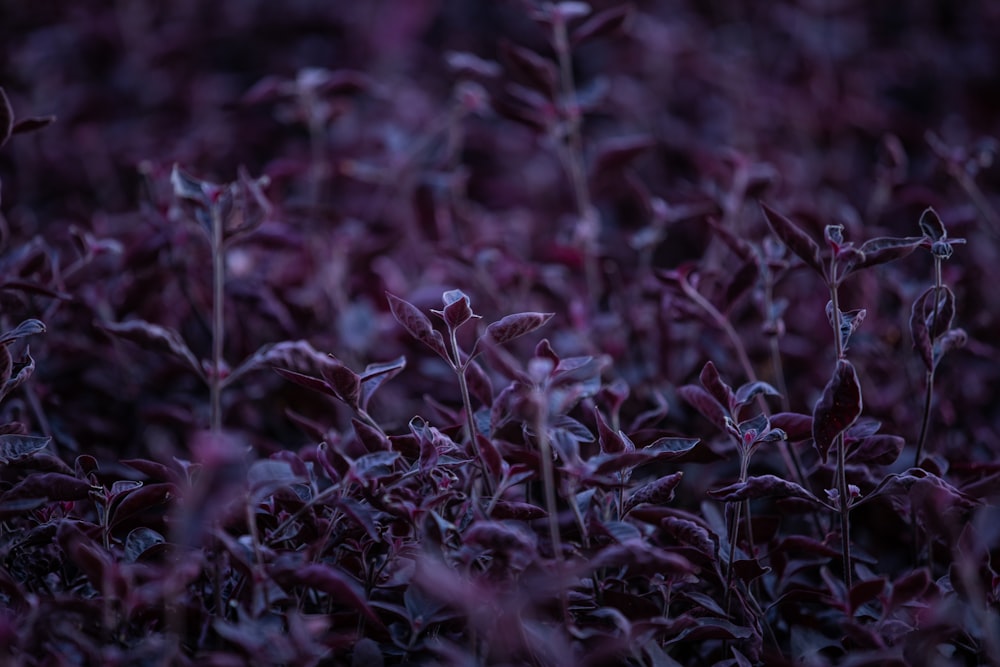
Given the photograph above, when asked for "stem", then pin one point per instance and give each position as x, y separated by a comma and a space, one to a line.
926, 420
838, 443
734, 528
470, 423
218, 321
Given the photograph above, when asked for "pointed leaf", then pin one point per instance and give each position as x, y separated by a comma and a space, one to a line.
794, 238
297, 355
31, 124
763, 486
611, 441
139, 541
23, 368
457, 309
505, 509
714, 385
512, 326
919, 330
865, 591
655, 493
878, 449
307, 381
14, 447
343, 381
838, 408
703, 402
25, 328
795, 425
931, 225
51, 485
742, 281
375, 375
341, 588
152, 496
418, 325
748, 392
886, 249
154, 337
479, 383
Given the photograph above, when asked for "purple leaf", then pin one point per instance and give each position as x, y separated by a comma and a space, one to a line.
838, 408
714, 385
6, 118
457, 309
878, 449
885, 249
155, 337
142, 500
794, 238
297, 355
865, 591
31, 124
763, 486
656, 493
268, 475
506, 509
340, 587
344, 382
25, 328
491, 456
931, 225
909, 587
479, 383
742, 281
418, 326
512, 326
14, 447
375, 375
703, 402
51, 485
602, 23
751, 390
307, 381
613, 154
692, 533
139, 541
919, 330
611, 441
530, 66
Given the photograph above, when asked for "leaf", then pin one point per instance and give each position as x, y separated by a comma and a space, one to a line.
878, 449
611, 441
23, 368
714, 385
794, 238
31, 124
703, 402
339, 586
865, 591
908, 587
742, 281
139, 541
14, 446
268, 475
25, 328
796, 426
838, 408
307, 381
530, 66
931, 225
886, 249
375, 375
152, 496
763, 486
655, 493
513, 326
157, 338
6, 118
418, 326
298, 355
457, 309
345, 383
951, 340
919, 330
506, 509
479, 383
751, 390
601, 23
51, 485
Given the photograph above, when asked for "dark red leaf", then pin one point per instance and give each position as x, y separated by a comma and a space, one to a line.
51, 485
909, 587
343, 381
479, 383
886, 249
692, 533
611, 441
505, 509
154, 337
794, 238
491, 456
457, 309
838, 408
418, 326
656, 493
714, 385
141, 500
307, 381
865, 591
530, 66
703, 402
512, 326
341, 588
763, 486
878, 449
375, 375
919, 330
601, 23
742, 281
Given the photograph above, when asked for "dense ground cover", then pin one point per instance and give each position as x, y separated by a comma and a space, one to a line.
499, 333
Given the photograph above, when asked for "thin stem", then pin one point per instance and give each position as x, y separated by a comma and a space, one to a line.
734, 528
470, 423
928, 394
218, 319
838, 443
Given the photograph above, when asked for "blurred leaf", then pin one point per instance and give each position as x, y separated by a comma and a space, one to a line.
51, 485
31, 124
157, 338
877, 449
6, 118
14, 446
513, 326
375, 375
25, 328
601, 23
794, 239
838, 408
139, 541
614, 154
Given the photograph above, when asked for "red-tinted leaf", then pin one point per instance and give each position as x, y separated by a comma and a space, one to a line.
479, 383
417, 324
372, 438
25, 328
491, 456
142, 500
865, 591
838, 408
886, 249
457, 309
919, 330
703, 402
794, 238
691, 533
296, 355
931, 225
519, 511
31, 124
910, 586
6, 118
878, 449
345, 382
268, 475
375, 375
610, 440
613, 154
742, 281
601, 23
763, 486
714, 385
307, 381
154, 337
656, 493
51, 485
512, 326
14, 446
153, 470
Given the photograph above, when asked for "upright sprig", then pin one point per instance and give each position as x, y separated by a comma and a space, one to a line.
932, 315
457, 311
841, 403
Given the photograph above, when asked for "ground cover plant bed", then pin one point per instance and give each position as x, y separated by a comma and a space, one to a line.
499, 333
